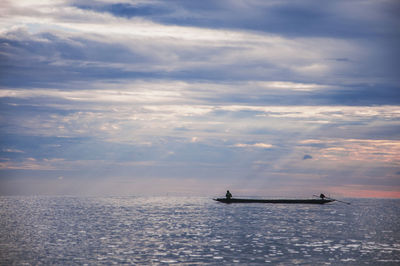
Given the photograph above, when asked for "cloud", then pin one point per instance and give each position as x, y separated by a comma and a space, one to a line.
220, 92
328, 19
128, 10
255, 145
82, 50
13, 151
80, 60
380, 151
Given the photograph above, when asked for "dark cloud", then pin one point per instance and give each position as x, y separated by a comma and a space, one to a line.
43, 60
282, 17
128, 10
307, 157
47, 60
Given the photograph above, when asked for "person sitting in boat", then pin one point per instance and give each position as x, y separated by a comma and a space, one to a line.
228, 195
322, 196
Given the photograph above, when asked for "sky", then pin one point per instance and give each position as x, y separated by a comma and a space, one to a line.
265, 98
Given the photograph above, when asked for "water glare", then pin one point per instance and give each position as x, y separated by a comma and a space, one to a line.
168, 230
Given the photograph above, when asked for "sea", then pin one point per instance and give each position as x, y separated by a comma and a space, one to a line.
69, 230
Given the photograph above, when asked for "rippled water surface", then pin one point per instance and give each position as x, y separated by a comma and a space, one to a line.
157, 230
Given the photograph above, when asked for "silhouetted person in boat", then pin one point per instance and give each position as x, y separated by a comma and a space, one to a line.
228, 195
322, 196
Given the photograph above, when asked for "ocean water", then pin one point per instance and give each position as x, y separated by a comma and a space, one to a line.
191, 231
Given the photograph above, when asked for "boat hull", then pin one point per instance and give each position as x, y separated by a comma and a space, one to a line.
284, 201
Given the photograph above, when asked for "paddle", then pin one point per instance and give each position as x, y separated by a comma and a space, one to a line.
348, 203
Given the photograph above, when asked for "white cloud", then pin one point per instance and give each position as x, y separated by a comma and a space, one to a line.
290, 85
255, 145
13, 151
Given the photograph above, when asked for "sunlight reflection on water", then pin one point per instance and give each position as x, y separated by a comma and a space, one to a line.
167, 230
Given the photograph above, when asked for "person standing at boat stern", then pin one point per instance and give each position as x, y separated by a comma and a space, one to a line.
228, 195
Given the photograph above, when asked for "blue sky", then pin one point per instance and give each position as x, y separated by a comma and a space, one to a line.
269, 98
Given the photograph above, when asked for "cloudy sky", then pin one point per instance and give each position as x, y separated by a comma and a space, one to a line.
268, 98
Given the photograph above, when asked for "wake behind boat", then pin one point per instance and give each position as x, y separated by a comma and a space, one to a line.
284, 201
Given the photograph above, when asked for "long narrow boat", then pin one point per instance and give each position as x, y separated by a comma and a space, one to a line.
285, 201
